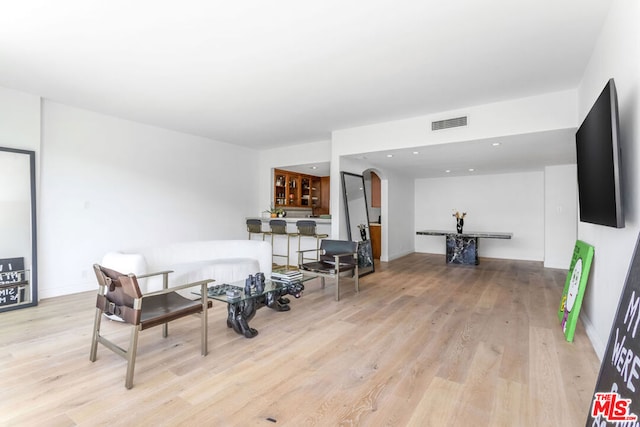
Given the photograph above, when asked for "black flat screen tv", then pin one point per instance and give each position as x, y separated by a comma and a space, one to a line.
598, 159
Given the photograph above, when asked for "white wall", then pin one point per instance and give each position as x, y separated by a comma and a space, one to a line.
19, 120
111, 184
499, 203
398, 207
560, 213
616, 55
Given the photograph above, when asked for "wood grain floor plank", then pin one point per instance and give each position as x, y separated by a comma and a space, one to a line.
438, 405
422, 343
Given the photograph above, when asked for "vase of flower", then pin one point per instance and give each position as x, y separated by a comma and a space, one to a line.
459, 220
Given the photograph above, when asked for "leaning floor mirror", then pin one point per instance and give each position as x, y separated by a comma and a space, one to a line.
357, 218
18, 265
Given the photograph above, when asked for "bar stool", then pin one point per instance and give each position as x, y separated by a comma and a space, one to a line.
279, 228
307, 228
254, 226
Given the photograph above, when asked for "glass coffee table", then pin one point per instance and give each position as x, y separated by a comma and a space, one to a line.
242, 305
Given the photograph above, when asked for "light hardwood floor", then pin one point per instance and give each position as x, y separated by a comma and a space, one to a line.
422, 344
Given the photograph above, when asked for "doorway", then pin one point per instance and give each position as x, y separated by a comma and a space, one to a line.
374, 195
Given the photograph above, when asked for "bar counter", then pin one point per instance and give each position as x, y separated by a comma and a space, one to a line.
283, 244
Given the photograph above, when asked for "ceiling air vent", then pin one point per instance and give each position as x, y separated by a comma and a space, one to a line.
449, 123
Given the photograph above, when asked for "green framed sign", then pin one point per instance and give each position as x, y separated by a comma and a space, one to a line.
574, 288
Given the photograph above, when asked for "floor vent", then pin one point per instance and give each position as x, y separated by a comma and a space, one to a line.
449, 123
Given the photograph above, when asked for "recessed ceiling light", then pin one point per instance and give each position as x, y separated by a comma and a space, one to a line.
496, 144
448, 170
416, 152
389, 155
314, 167
471, 169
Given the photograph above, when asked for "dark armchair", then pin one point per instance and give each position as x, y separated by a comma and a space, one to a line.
335, 258
119, 295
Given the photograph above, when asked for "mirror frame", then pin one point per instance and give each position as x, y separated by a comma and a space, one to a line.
33, 285
365, 251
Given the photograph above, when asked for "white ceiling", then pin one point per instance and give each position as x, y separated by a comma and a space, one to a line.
266, 74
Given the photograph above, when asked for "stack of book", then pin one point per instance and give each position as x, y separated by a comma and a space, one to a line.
286, 276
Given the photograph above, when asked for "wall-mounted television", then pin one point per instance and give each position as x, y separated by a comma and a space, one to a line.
598, 158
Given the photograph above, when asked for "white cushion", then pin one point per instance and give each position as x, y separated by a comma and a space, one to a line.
125, 263
220, 270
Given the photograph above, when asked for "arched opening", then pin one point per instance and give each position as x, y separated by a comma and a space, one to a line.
375, 186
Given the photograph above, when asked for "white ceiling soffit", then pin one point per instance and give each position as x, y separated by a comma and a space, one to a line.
508, 154
267, 74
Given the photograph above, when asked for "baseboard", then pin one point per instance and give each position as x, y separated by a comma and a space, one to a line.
44, 293
598, 345
397, 255
557, 266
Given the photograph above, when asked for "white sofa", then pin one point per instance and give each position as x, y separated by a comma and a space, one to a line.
224, 261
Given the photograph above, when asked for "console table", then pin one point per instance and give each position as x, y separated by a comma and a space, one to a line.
462, 248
